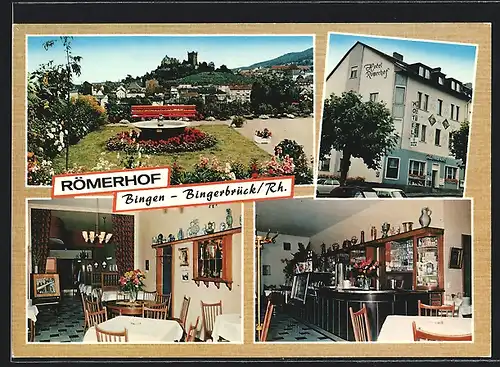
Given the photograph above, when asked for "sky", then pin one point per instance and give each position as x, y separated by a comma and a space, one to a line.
113, 57
455, 60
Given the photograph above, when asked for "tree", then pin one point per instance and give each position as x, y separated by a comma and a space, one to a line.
86, 88
459, 142
151, 87
357, 129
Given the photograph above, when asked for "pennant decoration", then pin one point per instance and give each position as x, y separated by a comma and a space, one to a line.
432, 120
446, 124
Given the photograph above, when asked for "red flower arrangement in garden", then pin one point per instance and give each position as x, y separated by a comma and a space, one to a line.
189, 141
265, 134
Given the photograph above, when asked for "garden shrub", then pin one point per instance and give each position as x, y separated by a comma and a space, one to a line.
189, 141
238, 121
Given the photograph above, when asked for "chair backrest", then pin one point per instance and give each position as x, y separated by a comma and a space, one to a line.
149, 296
192, 330
164, 298
267, 322
155, 313
361, 325
184, 311
122, 296
424, 335
96, 295
209, 311
95, 318
443, 311
104, 336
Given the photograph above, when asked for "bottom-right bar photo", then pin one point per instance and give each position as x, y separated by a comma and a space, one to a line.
383, 271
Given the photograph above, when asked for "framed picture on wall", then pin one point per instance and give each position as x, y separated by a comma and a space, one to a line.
185, 276
184, 256
456, 258
46, 285
51, 265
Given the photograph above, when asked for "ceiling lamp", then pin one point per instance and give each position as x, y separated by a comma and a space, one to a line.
97, 237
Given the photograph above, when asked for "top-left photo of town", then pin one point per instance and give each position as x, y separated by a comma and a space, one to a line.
212, 108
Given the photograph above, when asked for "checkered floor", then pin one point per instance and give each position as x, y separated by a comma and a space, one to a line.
65, 327
284, 328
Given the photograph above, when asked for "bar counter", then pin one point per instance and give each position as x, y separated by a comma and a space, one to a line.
326, 308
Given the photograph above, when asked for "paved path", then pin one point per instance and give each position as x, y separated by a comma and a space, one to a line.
299, 129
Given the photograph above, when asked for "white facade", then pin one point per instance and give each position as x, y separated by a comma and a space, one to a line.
121, 92
440, 110
239, 94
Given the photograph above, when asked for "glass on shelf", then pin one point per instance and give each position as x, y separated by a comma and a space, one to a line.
401, 256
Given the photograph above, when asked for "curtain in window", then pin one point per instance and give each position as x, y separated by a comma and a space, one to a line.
40, 231
123, 236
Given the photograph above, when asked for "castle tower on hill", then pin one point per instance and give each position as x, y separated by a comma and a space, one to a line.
193, 58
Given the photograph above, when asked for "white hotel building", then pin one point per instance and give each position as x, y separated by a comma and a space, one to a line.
422, 156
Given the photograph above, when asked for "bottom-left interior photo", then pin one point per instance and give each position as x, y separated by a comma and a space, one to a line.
154, 276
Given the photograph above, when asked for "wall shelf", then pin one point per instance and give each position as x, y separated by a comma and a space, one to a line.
227, 232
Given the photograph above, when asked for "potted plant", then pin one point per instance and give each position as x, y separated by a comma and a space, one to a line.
366, 271
263, 137
133, 282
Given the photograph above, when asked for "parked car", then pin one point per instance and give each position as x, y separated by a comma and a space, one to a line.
353, 192
383, 192
324, 186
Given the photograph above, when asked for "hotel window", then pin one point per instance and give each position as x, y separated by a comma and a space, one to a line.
452, 112
427, 74
437, 138
417, 129
426, 102
457, 109
392, 169
440, 107
423, 133
419, 100
416, 168
453, 84
399, 102
354, 72
450, 173
420, 71
440, 80
373, 97
458, 88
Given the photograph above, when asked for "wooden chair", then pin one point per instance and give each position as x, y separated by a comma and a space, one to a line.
192, 331
361, 325
164, 298
209, 311
149, 296
424, 335
155, 313
98, 317
90, 307
439, 311
122, 296
104, 336
267, 322
184, 311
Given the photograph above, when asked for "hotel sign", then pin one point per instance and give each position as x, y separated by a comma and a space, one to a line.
375, 69
435, 158
414, 119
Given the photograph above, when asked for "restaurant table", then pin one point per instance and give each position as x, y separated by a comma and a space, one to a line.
140, 330
227, 326
128, 308
398, 329
109, 295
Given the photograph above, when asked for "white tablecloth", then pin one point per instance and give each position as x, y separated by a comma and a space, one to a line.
106, 295
140, 330
398, 329
31, 310
228, 326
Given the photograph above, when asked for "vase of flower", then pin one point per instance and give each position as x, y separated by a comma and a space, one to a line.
132, 282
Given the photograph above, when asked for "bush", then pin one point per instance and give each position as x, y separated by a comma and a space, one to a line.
189, 141
302, 171
238, 121
86, 116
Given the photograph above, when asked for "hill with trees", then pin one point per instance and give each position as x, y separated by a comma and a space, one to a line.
305, 57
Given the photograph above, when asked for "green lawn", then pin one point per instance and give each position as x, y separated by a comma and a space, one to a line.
231, 146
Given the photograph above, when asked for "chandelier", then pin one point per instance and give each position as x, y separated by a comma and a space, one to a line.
97, 237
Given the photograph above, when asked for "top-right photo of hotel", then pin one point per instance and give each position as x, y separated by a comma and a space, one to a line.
396, 117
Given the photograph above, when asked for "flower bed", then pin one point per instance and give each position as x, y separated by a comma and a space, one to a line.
189, 141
